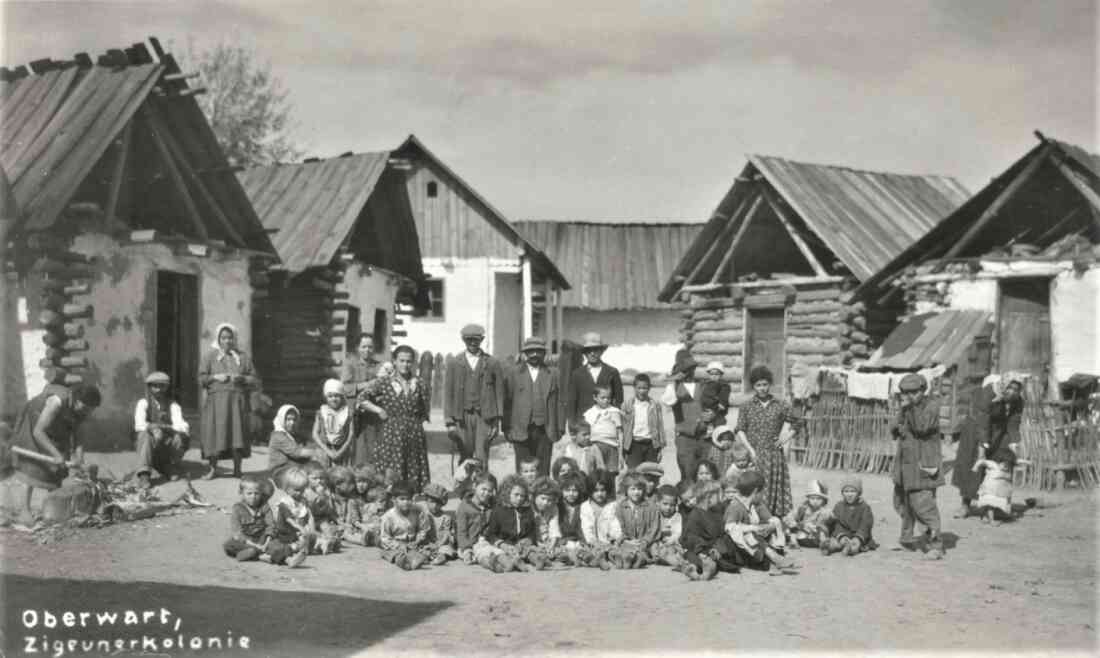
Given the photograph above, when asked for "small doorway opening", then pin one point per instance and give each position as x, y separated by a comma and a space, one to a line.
177, 335
765, 346
1023, 326
354, 330
381, 333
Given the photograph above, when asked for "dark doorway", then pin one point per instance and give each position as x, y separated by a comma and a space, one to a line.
764, 346
381, 330
177, 346
1023, 326
355, 329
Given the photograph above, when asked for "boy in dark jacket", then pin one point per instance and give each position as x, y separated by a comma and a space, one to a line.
852, 522
472, 516
511, 532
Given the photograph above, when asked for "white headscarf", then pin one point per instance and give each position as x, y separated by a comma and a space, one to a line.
333, 386
280, 418
218, 332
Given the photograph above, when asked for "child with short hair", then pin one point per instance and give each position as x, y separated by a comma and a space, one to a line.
723, 441
347, 505
545, 496
742, 456
294, 527
251, 526
323, 509
582, 451
510, 532
758, 535
808, 524
686, 490
643, 425
667, 549
440, 545
606, 422
332, 427
472, 515
708, 548
639, 524
378, 501
404, 530
852, 521
563, 466
529, 470
995, 491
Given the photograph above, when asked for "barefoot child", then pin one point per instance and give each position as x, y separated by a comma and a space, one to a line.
852, 521
251, 526
441, 539
332, 429
347, 506
511, 530
639, 524
293, 520
708, 548
808, 524
757, 534
472, 516
667, 549
546, 496
574, 488
404, 530
323, 510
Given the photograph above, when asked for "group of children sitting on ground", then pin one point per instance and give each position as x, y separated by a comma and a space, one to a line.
528, 523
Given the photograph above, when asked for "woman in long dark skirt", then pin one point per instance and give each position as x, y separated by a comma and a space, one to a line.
995, 423
226, 374
401, 445
760, 422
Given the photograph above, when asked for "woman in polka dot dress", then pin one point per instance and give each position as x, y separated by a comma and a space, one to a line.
760, 421
401, 444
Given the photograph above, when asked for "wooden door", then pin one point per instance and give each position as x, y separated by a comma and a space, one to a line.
1023, 326
764, 346
177, 346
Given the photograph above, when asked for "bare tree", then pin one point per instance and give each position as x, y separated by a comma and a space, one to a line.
245, 103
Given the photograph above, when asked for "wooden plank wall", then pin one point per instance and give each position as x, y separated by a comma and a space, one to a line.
452, 224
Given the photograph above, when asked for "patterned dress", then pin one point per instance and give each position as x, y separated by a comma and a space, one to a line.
401, 444
761, 421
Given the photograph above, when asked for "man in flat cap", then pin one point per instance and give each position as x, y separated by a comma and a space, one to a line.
161, 432
531, 406
473, 396
918, 464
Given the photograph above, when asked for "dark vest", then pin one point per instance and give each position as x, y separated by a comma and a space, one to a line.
471, 389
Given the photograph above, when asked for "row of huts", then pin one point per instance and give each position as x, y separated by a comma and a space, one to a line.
127, 237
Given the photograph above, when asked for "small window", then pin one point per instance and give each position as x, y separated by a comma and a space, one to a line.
435, 298
433, 189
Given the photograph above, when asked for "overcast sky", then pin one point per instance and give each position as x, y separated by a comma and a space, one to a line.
592, 110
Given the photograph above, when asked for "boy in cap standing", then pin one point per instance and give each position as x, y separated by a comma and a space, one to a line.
162, 433
473, 396
917, 470
531, 406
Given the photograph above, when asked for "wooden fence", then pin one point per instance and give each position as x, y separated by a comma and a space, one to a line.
846, 434
1056, 448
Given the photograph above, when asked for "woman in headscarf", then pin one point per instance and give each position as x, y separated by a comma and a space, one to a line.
401, 445
994, 423
227, 375
760, 421
284, 449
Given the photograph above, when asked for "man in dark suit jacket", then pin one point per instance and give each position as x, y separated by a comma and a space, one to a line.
473, 397
584, 380
531, 406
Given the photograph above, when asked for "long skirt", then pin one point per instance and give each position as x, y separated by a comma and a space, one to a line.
962, 475
777, 479
225, 424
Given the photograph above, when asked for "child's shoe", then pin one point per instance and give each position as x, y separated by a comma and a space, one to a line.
247, 554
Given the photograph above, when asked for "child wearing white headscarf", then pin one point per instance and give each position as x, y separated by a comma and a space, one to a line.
284, 449
332, 427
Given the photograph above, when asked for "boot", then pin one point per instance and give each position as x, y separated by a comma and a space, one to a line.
710, 567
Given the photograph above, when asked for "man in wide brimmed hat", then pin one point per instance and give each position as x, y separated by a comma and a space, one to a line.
918, 464
161, 432
531, 405
592, 373
683, 394
473, 396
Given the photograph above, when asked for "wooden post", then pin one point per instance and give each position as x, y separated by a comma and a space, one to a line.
736, 240
120, 170
558, 305
798, 241
548, 314
528, 310
725, 232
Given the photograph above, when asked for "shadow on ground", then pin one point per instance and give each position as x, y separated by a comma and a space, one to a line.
279, 623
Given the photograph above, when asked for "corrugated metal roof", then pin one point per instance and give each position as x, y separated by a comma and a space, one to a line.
56, 125
312, 205
613, 266
931, 339
866, 218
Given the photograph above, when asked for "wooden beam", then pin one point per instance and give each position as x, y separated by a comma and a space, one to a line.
119, 170
527, 309
548, 315
718, 271
192, 211
726, 231
997, 204
559, 320
798, 241
177, 150
1090, 194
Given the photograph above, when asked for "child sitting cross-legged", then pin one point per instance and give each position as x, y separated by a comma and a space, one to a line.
294, 527
639, 525
707, 546
852, 521
252, 526
995, 491
545, 496
511, 531
599, 524
667, 549
574, 488
441, 539
347, 507
758, 536
378, 502
472, 516
404, 530
808, 524
323, 508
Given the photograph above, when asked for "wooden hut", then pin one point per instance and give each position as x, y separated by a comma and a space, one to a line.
616, 270
479, 267
348, 251
133, 237
765, 280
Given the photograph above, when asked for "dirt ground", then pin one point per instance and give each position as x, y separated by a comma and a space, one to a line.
1024, 586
